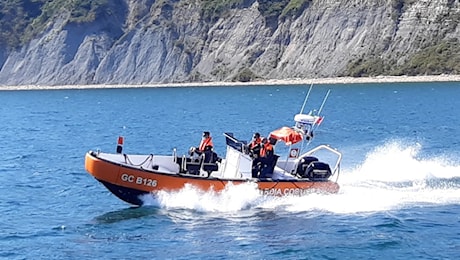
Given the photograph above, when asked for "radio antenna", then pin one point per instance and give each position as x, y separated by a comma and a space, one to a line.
324, 101
306, 98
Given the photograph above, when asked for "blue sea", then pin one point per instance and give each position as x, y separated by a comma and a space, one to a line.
400, 175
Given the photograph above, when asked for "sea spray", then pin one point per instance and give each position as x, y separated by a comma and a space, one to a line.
392, 176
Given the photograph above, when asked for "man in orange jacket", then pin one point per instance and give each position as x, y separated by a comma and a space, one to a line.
255, 145
267, 149
205, 144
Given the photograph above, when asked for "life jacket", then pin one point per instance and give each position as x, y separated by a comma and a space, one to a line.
266, 148
205, 142
254, 143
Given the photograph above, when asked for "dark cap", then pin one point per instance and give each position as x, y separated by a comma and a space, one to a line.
256, 135
206, 133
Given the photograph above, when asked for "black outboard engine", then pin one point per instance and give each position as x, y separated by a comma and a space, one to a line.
303, 165
318, 171
309, 167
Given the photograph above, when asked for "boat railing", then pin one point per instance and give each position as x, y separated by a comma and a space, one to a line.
130, 162
336, 167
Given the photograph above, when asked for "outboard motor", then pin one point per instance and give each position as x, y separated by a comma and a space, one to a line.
309, 167
303, 164
318, 171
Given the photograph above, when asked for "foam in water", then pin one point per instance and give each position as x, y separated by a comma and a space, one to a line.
391, 177
232, 198
398, 162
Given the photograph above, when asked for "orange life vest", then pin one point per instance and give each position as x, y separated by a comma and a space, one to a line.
205, 142
254, 143
265, 149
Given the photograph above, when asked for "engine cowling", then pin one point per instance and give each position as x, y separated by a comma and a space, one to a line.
310, 167
318, 171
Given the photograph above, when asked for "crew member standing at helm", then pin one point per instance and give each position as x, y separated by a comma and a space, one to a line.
267, 151
255, 145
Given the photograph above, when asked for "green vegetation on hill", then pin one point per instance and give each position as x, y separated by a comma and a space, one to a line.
78, 11
212, 10
15, 17
245, 75
21, 20
442, 58
295, 7
271, 10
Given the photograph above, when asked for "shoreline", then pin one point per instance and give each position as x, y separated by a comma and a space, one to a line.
317, 81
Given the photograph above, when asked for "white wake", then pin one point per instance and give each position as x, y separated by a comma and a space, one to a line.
392, 176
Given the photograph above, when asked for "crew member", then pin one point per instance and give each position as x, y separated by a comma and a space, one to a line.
255, 145
266, 151
266, 160
205, 144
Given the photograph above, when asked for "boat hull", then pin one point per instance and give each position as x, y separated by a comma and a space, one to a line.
129, 183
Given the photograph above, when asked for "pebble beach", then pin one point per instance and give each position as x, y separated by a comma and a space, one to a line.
316, 81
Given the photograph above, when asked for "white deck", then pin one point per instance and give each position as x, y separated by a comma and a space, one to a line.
236, 165
240, 168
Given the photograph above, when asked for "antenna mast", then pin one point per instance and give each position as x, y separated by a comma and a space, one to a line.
306, 98
324, 101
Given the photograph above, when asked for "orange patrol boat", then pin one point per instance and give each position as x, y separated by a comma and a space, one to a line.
130, 176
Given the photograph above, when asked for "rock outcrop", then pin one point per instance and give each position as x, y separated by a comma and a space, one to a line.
149, 41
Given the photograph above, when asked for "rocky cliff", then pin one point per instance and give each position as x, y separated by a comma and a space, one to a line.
148, 41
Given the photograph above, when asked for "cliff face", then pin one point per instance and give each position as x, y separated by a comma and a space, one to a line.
169, 41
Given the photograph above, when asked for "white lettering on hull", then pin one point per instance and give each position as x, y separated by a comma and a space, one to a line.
139, 180
285, 192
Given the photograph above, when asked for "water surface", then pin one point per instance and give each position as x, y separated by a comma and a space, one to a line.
400, 178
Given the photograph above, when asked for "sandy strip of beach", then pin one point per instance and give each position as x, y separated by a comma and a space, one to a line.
317, 81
